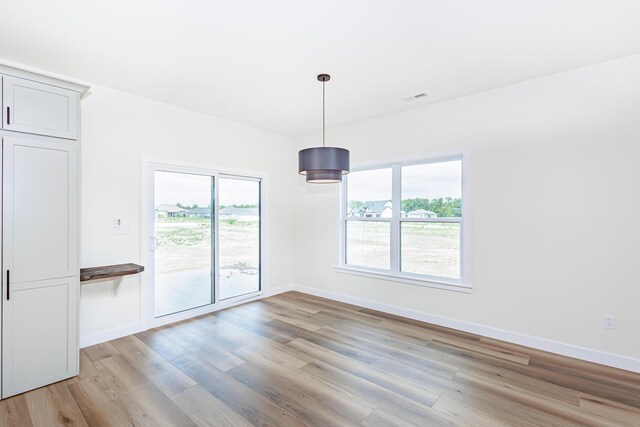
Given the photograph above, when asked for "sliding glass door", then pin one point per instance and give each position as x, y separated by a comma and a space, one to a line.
183, 230
206, 238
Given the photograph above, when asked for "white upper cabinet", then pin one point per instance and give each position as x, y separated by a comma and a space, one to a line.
39, 108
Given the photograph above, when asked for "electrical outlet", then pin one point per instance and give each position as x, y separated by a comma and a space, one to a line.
121, 227
609, 322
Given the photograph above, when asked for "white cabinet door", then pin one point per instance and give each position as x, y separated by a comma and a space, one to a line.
40, 209
40, 280
38, 108
39, 333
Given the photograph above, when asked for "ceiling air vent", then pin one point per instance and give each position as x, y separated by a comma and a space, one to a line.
420, 95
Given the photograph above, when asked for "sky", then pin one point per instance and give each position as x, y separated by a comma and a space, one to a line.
430, 181
187, 189
424, 181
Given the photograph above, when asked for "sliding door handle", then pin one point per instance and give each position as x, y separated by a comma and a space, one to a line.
153, 243
8, 287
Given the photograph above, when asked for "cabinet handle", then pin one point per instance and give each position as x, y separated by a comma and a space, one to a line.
8, 115
8, 286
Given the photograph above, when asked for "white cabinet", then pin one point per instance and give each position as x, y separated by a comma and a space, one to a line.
40, 272
39, 336
40, 214
38, 108
40, 262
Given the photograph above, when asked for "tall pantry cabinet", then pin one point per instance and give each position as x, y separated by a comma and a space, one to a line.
40, 273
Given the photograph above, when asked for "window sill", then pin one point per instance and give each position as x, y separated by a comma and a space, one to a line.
427, 282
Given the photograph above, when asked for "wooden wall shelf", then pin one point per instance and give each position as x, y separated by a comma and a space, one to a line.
115, 272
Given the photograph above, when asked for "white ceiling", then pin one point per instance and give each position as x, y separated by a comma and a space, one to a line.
256, 61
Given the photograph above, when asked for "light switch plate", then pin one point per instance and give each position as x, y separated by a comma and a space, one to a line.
120, 226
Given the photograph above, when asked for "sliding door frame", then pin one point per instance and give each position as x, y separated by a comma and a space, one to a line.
147, 229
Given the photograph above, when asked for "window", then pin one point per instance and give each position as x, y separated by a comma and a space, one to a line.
404, 220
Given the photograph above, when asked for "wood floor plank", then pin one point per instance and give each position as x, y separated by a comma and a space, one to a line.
618, 377
53, 406
414, 358
617, 412
311, 405
206, 410
382, 418
283, 356
398, 320
115, 376
321, 340
250, 405
345, 403
198, 338
163, 374
14, 412
405, 408
295, 317
419, 393
478, 347
256, 325
295, 304
154, 408
100, 351
298, 360
315, 306
463, 413
582, 383
550, 406
87, 368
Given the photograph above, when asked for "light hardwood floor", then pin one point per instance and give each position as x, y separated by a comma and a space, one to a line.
294, 360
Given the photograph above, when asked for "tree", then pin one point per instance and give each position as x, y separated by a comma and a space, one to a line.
442, 207
409, 205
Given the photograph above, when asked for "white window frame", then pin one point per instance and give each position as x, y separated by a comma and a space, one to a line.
394, 274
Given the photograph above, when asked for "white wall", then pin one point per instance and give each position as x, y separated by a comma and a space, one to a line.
118, 131
555, 236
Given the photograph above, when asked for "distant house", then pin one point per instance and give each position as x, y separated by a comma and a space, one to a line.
167, 210
375, 209
421, 213
240, 214
199, 212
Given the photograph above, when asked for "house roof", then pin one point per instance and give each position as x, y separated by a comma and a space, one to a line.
199, 210
232, 210
166, 207
421, 212
375, 206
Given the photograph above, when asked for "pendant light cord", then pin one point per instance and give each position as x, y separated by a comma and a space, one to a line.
323, 125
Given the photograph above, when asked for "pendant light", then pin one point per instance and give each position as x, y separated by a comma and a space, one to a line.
323, 165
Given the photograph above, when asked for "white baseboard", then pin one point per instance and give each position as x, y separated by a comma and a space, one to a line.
275, 291
582, 353
134, 328
110, 334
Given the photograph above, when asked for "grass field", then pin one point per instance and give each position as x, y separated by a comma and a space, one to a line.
185, 244
426, 248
